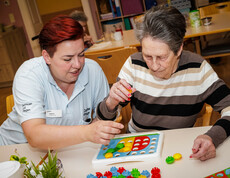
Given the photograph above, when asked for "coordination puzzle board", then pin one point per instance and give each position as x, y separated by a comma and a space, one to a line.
130, 147
224, 174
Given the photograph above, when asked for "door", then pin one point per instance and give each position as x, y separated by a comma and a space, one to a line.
32, 21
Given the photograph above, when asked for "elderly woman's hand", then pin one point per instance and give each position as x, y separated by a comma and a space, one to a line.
102, 131
203, 148
121, 91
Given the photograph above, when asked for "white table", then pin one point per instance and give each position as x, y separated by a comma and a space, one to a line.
77, 159
220, 23
129, 39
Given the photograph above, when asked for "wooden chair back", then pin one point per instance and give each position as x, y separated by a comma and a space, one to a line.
204, 117
214, 9
9, 103
111, 61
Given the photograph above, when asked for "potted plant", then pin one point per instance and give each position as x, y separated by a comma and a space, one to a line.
50, 169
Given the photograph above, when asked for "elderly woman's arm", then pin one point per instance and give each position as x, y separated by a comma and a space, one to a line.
120, 92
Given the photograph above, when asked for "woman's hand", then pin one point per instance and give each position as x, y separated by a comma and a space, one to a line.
41, 135
203, 148
102, 131
121, 91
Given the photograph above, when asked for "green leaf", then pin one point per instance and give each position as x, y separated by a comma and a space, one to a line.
14, 158
22, 160
49, 169
36, 170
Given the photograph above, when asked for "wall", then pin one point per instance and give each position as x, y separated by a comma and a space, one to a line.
47, 9
13, 8
51, 8
90, 23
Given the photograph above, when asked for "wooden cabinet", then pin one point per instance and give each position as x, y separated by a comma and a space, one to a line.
13, 53
111, 14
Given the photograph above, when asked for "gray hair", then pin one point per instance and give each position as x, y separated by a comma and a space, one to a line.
164, 23
79, 16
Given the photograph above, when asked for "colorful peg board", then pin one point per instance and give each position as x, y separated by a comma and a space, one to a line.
136, 147
224, 174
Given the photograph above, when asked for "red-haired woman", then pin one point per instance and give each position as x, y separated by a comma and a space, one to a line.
56, 94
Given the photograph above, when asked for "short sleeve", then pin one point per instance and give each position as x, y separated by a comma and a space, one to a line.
28, 95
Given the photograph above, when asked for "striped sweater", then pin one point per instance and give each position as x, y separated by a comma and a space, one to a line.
176, 102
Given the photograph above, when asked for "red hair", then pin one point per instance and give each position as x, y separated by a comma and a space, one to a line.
58, 29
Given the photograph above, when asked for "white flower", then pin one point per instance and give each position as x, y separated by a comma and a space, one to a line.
40, 167
32, 172
29, 165
39, 176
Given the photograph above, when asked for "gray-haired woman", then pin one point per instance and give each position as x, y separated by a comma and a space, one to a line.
169, 85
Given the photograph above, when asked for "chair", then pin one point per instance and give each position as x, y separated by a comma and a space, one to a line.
204, 117
9, 103
207, 115
112, 61
126, 113
216, 48
217, 45
214, 9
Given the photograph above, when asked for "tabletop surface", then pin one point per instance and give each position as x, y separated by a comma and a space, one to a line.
77, 160
220, 23
129, 39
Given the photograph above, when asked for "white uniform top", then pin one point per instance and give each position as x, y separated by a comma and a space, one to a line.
36, 95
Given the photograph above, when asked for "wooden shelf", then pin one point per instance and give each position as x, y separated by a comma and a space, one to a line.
99, 23
131, 15
105, 20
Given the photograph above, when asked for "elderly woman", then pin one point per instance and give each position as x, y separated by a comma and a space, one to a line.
82, 19
169, 85
56, 95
